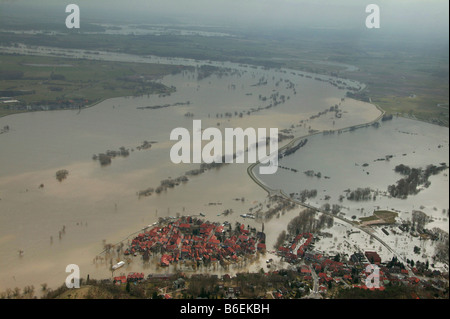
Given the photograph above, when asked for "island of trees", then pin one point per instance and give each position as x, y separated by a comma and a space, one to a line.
105, 158
413, 179
62, 174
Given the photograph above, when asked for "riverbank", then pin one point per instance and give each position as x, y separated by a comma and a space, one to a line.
57, 83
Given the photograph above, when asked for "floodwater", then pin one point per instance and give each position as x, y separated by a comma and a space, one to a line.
68, 222
357, 159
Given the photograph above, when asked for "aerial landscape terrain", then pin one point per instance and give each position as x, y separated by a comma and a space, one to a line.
121, 177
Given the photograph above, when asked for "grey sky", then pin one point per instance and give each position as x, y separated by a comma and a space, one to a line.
406, 16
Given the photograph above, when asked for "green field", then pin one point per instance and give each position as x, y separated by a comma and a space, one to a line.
50, 80
384, 216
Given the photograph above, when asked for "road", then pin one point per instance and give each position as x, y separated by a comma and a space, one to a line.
273, 192
315, 291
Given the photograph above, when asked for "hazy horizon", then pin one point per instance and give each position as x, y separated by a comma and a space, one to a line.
409, 18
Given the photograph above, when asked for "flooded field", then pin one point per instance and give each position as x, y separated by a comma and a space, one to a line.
56, 223
366, 158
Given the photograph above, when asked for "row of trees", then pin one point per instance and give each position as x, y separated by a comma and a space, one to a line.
359, 194
306, 221
282, 205
105, 158
419, 219
334, 209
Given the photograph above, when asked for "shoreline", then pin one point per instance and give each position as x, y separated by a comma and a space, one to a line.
85, 107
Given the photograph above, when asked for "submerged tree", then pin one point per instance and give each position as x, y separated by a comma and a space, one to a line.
62, 174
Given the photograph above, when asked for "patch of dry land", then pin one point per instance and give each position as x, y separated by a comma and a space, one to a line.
379, 217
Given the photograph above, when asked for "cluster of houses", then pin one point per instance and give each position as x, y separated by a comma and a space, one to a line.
351, 273
189, 238
302, 241
132, 277
328, 272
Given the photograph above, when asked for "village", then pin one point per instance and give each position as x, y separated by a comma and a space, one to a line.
296, 269
190, 238
325, 272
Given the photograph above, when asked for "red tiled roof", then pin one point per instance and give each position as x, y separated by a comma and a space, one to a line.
219, 229
305, 270
243, 238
